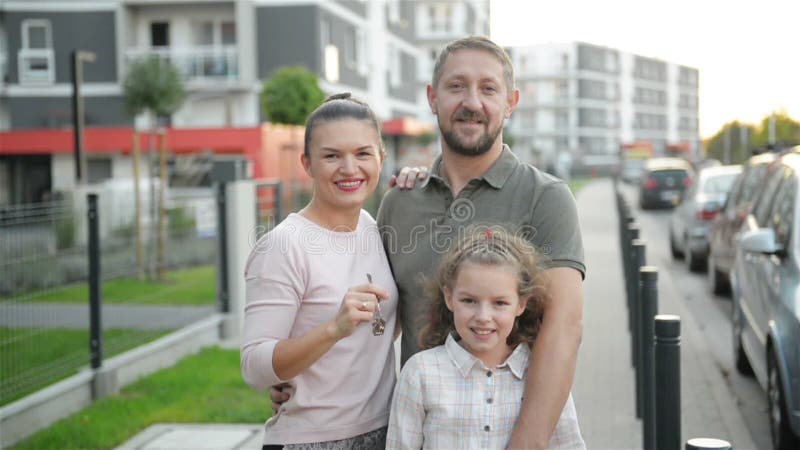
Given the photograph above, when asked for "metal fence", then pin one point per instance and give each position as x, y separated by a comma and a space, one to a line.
152, 283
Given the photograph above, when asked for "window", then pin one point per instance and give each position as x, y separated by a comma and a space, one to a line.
35, 59
395, 66
440, 16
159, 34
764, 202
782, 216
354, 50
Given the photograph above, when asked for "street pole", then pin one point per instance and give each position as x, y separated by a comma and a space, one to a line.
726, 155
772, 130
77, 59
743, 141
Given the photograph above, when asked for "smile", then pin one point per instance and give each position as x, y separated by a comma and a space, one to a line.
349, 185
482, 332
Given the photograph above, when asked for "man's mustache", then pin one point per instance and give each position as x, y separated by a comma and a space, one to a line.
465, 114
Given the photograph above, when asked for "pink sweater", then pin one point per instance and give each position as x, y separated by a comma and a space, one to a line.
296, 277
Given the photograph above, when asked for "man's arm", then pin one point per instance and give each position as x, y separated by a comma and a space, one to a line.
552, 366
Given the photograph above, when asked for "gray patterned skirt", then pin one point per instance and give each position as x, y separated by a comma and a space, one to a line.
372, 440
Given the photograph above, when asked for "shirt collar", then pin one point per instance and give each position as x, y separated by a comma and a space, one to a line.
497, 174
464, 361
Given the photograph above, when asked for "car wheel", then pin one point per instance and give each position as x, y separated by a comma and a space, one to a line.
676, 253
694, 262
716, 280
742, 363
782, 436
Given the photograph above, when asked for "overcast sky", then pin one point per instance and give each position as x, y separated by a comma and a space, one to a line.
748, 52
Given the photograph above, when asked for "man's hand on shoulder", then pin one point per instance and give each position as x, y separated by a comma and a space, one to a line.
408, 177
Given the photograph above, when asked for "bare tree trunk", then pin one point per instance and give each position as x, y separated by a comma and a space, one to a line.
162, 189
151, 272
137, 205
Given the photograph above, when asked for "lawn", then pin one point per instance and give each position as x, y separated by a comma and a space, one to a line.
204, 388
38, 357
575, 184
195, 286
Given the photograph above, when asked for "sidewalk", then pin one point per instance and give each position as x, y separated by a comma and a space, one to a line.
604, 382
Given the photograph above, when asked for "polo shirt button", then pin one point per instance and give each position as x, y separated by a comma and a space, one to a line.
489, 401
486, 428
488, 373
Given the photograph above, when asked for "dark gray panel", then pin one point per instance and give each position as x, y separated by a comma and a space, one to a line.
348, 74
86, 30
407, 90
56, 112
288, 36
404, 29
356, 6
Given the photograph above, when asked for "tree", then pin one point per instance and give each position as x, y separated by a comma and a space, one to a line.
741, 139
291, 95
154, 86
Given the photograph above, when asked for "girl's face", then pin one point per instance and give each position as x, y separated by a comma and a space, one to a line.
485, 303
345, 163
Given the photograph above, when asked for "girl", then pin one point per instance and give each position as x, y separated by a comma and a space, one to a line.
312, 288
465, 390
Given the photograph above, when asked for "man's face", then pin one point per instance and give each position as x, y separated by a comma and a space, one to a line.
471, 101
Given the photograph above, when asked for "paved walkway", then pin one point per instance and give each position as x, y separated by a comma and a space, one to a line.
76, 316
604, 383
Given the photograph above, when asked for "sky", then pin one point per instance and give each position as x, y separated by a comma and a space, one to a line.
747, 52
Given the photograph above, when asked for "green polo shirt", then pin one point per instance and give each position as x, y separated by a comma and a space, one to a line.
419, 225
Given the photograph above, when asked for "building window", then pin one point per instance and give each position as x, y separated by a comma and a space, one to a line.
354, 50
441, 17
395, 66
393, 11
35, 58
159, 34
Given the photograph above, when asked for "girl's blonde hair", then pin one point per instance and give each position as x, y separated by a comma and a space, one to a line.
490, 246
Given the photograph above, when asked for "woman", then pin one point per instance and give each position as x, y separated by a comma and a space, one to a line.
314, 284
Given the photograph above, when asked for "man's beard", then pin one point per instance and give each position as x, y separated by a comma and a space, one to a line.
455, 143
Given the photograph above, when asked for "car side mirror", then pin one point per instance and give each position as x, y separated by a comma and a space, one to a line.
761, 240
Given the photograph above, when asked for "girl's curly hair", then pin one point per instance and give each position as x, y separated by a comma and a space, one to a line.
491, 246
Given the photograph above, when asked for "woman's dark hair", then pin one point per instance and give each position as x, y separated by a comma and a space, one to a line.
338, 107
487, 246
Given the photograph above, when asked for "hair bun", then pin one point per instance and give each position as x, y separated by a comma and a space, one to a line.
339, 96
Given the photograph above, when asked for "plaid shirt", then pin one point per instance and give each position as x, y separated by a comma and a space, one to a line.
446, 398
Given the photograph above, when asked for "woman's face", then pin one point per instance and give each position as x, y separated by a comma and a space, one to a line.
344, 161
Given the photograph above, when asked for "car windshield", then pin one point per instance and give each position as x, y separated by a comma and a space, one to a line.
719, 184
662, 175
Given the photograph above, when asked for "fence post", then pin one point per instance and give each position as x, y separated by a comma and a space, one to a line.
638, 255
668, 382
707, 444
95, 322
222, 248
648, 309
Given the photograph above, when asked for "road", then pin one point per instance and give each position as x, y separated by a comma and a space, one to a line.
712, 312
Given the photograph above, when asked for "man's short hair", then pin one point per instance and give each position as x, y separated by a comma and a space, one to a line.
477, 43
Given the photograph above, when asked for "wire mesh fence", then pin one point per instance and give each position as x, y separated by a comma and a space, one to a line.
152, 283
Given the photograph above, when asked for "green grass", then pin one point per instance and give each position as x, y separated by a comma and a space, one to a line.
26, 350
205, 388
195, 286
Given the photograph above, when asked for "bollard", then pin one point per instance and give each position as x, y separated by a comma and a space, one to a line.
648, 308
668, 382
638, 247
630, 270
707, 444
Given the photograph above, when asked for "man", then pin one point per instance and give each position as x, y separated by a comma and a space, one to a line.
478, 180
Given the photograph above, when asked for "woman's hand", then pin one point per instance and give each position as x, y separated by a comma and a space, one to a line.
408, 176
358, 306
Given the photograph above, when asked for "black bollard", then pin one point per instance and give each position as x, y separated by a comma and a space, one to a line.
638, 247
648, 308
668, 382
630, 270
707, 444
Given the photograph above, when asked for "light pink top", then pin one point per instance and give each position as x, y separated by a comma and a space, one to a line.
296, 278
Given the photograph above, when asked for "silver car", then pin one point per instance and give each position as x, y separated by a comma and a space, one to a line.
765, 285
689, 223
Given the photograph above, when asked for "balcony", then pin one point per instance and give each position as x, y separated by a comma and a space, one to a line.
35, 65
196, 65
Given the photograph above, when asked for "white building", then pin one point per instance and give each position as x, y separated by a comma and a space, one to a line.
586, 101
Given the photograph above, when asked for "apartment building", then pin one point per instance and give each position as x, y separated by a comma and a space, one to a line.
223, 49
583, 102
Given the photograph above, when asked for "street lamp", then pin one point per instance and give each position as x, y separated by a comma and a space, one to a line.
78, 58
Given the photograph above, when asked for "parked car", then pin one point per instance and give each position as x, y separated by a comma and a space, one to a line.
765, 283
688, 225
663, 182
725, 227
